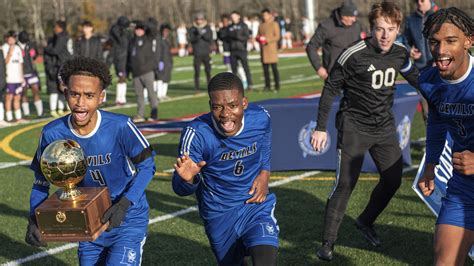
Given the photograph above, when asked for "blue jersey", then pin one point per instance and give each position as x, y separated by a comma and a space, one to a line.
233, 162
451, 110
118, 157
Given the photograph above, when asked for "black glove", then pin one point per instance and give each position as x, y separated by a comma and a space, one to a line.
33, 235
116, 213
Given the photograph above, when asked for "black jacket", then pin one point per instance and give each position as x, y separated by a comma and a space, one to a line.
332, 36
91, 48
50, 62
238, 36
223, 35
141, 56
120, 37
59, 48
201, 39
3, 73
30, 53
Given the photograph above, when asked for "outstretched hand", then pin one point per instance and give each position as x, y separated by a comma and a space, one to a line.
187, 169
259, 189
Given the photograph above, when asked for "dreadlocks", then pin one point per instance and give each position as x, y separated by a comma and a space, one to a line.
450, 15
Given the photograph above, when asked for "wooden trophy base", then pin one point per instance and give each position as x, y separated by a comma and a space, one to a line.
73, 220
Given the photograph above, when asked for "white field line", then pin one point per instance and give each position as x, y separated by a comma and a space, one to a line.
8, 165
182, 81
157, 219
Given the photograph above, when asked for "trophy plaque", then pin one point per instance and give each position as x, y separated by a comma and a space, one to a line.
71, 214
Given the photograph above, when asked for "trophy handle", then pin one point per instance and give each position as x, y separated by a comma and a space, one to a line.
70, 192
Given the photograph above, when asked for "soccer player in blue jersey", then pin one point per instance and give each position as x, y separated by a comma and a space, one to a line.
449, 90
224, 158
118, 157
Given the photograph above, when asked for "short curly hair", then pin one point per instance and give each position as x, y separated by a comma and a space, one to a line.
86, 67
225, 81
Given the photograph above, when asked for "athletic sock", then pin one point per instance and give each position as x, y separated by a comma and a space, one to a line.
155, 86
165, 90
9, 115
53, 101
25, 106
2, 112
159, 89
18, 114
60, 105
145, 94
39, 107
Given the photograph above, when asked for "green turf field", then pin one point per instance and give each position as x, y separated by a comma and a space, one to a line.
406, 227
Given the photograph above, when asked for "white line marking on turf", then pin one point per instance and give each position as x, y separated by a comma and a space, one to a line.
8, 165
157, 219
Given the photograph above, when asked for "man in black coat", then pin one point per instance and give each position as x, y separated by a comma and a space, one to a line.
119, 38
238, 35
165, 65
200, 36
88, 45
141, 63
57, 52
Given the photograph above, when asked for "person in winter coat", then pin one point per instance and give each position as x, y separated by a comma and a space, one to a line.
268, 37
200, 36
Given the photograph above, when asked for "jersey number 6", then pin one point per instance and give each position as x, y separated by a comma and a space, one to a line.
238, 168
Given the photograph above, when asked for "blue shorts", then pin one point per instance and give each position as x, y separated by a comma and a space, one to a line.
121, 246
232, 234
457, 207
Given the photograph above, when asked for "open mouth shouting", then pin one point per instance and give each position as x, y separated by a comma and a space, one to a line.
227, 126
443, 62
80, 116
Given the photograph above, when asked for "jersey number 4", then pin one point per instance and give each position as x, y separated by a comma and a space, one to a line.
380, 78
238, 168
97, 176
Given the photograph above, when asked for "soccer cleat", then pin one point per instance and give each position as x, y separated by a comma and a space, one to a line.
54, 114
368, 232
326, 251
138, 119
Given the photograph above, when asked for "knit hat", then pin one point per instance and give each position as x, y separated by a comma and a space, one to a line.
348, 9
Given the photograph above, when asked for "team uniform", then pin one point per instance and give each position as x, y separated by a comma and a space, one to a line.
223, 185
15, 78
30, 73
451, 110
365, 123
120, 158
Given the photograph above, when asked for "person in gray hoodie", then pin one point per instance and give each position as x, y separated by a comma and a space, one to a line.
333, 35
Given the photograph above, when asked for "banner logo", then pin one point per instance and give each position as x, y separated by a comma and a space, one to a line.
304, 140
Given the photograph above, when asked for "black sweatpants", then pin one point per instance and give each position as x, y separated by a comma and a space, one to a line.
242, 56
276, 76
198, 59
351, 147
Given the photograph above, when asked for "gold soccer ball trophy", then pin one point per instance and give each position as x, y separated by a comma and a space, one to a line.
64, 164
